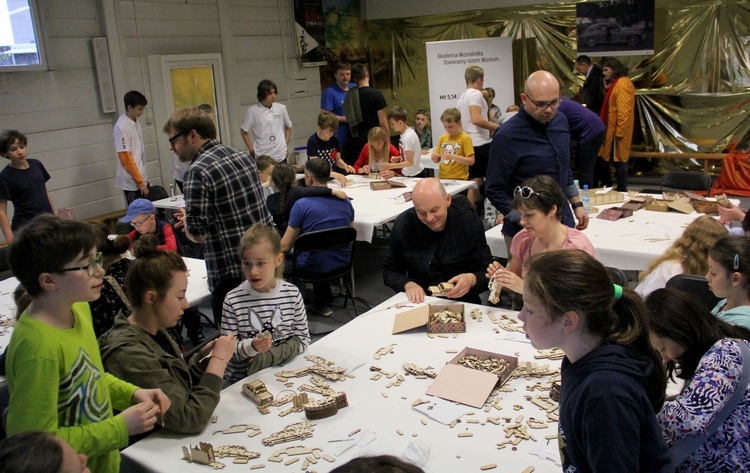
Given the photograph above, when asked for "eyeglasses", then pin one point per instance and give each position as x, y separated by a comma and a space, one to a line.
525, 191
90, 268
138, 224
174, 138
545, 105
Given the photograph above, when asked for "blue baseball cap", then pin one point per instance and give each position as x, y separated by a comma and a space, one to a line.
138, 207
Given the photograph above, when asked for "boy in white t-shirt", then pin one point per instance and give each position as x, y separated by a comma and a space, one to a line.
411, 151
132, 175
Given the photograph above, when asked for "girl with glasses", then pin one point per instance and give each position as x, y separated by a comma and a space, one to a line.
540, 202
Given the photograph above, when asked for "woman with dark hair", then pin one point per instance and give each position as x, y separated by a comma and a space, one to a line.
40, 452
139, 348
729, 277
540, 202
613, 382
707, 353
618, 114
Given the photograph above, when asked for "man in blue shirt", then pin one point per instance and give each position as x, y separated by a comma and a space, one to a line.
311, 214
332, 100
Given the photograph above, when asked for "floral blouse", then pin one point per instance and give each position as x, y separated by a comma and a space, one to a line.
714, 383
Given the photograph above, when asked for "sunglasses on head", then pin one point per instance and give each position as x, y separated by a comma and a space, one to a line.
525, 191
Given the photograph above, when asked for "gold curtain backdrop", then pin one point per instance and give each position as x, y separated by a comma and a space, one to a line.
693, 94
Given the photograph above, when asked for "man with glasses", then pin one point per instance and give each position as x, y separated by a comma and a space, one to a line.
223, 198
536, 141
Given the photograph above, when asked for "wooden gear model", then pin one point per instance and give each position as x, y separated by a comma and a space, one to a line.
441, 288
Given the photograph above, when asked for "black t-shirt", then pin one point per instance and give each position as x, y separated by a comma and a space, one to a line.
370, 101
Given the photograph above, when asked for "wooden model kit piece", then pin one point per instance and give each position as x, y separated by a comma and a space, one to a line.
441, 288
488, 364
551, 354
383, 351
476, 314
256, 392
320, 409
203, 454
320, 366
290, 433
240, 428
237, 451
420, 373
494, 291
446, 316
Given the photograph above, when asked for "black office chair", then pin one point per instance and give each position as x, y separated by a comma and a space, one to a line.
695, 285
685, 181
324, 240
618, 276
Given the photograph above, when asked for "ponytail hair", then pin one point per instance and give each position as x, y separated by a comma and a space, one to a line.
256, 235
283, 178
573, 281
152, 270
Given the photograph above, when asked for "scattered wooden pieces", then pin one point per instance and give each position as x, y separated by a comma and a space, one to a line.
384, 351
411, 368
290, 433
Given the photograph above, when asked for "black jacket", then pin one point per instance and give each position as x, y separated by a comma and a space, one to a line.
428, 258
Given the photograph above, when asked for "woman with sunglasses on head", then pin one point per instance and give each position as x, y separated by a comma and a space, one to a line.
707, 425
540, 203
729, 277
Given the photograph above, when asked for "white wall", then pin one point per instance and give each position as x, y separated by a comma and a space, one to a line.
58, 109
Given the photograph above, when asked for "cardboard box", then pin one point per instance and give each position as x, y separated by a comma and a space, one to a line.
706, 206
681, 206
422, 316
658, 205
386, 184
610, 214
610, 197
470, 386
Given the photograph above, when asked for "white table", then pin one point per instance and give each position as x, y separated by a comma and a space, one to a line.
373, 208
197, 292
629, 243
370, 411
178, 201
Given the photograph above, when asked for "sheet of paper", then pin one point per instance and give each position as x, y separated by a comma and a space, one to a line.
604, 190
442, 411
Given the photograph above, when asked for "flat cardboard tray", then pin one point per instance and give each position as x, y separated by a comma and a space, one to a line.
469, 386
385, 184
421, 316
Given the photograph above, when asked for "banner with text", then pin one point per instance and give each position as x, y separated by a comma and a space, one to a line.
446, 63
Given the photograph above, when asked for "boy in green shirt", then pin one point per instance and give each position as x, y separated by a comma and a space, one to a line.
54, 369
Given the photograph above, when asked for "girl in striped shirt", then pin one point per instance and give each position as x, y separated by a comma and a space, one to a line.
266, 313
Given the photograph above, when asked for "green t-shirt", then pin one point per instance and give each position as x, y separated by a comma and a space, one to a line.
57, 384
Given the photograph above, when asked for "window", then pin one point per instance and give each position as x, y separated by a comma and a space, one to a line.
21, 45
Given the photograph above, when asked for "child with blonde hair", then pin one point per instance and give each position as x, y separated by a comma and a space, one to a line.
266, 313
687, 255
378, 150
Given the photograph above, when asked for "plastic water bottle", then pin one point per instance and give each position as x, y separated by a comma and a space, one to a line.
575, 181
585, 198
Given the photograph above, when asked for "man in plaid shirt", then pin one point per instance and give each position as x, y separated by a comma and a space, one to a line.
223, 198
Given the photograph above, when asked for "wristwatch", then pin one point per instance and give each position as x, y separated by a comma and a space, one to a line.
577, 205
